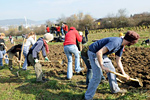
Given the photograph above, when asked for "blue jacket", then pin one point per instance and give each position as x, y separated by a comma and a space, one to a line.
37, 47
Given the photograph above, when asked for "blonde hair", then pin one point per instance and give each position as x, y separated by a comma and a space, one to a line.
2, 34
30, 34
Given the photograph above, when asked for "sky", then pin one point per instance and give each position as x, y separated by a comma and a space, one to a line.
47, 9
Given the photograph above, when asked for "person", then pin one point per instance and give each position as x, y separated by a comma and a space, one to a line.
99, 51
10, 37
12, 41
62, 31
58, 30
65, 27
85, 58
13, 52
16, 37
30, 41
33, 55
2, 49
47, 29
71, 48
86, 33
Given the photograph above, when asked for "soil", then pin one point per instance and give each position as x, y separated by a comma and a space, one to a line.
136, 62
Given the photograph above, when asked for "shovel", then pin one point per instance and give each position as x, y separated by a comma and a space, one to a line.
21, 56
132, 79
59, 61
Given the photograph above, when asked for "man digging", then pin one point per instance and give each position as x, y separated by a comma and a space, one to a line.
97, 54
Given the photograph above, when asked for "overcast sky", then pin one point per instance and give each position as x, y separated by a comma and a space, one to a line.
46, 9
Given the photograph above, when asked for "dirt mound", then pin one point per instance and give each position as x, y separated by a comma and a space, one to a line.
136, 62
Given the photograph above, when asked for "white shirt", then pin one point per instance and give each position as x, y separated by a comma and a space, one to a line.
30, 41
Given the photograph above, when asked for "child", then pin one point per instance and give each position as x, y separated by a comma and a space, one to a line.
30, 41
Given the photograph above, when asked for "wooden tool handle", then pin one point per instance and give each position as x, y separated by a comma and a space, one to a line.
123, 76
43, 61
22, 52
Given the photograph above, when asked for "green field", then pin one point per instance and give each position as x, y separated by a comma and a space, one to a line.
25, 87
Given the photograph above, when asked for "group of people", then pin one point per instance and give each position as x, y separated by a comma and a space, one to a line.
95, 57
57, 29
31, 54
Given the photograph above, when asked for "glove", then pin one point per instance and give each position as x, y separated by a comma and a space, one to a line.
36, 60
46, 59
2, 43
80, 33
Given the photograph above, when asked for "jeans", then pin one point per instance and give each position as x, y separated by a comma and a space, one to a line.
69, 50
65, 32
97, 74
38, 69
2, 56
89, 70
25, 53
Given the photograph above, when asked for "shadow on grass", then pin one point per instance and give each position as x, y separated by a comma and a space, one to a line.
10, 76
51, 90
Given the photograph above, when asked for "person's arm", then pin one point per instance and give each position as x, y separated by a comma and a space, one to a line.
119, 64
99, 55
44, 52
32, 41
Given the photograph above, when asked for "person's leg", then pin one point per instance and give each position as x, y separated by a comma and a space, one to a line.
75, 51
6, 56
95, 79
37, 68
6, 60
89, 69
69, 57
1, 58
1, 61
111, 77
59, 34
38, 71
25, 53
86, 37
10, 56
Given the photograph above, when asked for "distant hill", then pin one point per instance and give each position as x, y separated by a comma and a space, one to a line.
22, 21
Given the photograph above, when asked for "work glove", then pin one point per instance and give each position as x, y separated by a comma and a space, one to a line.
80, 33
46, 59
2, 43
36, 60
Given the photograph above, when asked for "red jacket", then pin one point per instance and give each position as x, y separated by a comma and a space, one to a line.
47, 28
65, 28
58, 29
71, 37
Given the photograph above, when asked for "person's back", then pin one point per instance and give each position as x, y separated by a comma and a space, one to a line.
71, 37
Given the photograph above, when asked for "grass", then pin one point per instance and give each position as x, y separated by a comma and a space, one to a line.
26, 88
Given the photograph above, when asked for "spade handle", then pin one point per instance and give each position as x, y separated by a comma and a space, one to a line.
123, 76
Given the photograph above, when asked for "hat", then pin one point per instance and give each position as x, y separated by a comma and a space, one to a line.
72, 28
132, 37
120, 34
48, 37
